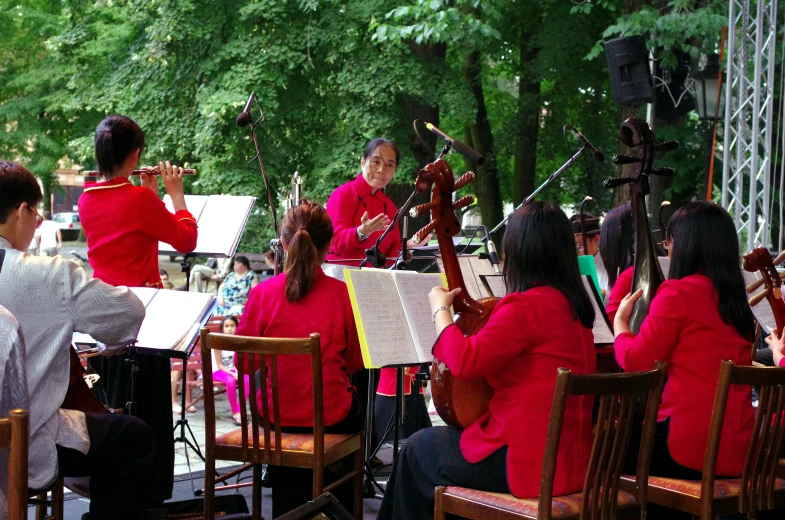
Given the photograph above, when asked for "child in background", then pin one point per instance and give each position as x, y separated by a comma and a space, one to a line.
226, 372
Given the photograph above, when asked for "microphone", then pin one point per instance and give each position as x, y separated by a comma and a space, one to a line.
493, 256
597, 153
244, 119
458, 146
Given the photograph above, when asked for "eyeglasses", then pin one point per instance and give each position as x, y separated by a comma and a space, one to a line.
38, 218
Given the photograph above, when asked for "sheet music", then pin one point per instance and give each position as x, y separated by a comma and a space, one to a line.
381, 319
413, 289
494, 284
144, 293
221, 220
481, 266
171, 316
336, 270
603, 333
665, 265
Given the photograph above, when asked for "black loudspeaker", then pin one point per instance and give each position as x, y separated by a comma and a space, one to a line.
325, 507
628, 63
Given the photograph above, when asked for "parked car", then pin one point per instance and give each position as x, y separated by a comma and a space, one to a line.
70, 227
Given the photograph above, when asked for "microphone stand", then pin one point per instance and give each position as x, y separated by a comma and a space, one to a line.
540, 188
275, 244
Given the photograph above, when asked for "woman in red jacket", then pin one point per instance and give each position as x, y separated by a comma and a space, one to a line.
123, 224
544, 322
698, 318
296, 303
617, 248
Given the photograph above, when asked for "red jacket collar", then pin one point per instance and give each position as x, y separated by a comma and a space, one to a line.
362, 187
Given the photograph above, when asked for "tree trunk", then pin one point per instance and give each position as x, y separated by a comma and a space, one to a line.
487, 184
527, 119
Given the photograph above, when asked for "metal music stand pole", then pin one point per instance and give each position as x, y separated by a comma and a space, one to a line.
539, 189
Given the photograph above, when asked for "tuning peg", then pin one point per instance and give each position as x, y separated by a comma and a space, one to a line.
613, 183
666, 146
664, 171
624, 159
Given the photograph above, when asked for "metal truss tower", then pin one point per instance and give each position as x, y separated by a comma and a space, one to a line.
749, 92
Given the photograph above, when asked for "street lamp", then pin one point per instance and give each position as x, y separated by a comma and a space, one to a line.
706, 89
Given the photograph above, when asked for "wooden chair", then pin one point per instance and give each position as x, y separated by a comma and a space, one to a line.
263, 443
40, 499
758, 489
14, 437
600, 498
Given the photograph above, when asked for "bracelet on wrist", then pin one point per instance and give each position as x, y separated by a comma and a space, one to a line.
436, 311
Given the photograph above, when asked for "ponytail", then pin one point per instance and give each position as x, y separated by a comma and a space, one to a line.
115, 138
307, 231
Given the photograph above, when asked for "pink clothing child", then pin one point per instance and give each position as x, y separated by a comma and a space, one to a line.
228, 375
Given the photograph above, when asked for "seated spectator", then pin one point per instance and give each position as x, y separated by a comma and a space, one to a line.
225, 371
215, 270
165, 279
233, 292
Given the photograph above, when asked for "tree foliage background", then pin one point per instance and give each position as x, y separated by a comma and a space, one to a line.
504, 75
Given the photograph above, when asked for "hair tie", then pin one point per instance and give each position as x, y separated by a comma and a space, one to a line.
301, 227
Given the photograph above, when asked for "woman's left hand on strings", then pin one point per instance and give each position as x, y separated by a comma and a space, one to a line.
776, 343
621, 323
442, 297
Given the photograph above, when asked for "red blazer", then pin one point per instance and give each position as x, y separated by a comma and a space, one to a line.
619, 290
346, 206
685, 330
527, 338
326, 310
123, 224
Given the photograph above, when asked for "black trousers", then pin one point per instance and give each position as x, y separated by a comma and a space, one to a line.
153, 406
293, 487
119, 463
432, 457
415, 415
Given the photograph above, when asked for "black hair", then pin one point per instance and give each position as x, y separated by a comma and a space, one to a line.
539, 250
17, 185
705, 241
47, 215
163, 272
373, 144
617, 241
592, 224
115, 138
243, 260
229, 318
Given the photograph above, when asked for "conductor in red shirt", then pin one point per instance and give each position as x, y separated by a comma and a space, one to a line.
360, 212
544, 322
698, 318
123, 224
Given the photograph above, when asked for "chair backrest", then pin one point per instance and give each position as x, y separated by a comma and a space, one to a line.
617, 394
758, 477
14, 436
258, 354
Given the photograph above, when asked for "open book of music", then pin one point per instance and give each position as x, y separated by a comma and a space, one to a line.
763, 313
221, 220
171, 322
393, 315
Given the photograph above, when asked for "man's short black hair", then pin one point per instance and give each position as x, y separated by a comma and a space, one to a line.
592, 224
17, 185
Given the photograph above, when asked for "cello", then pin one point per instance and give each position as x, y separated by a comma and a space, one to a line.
459, 402
636, 133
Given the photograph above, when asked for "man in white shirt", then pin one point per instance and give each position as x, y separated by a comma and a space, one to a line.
13, 392
50, 238
52, 298
215, 270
